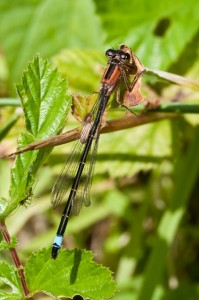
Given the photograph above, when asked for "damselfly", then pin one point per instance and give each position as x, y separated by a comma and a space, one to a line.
75, 179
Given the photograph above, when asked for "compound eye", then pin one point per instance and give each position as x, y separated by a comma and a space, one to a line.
125, 56
110, 52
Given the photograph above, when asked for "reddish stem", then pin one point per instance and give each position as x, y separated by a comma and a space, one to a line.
15, 257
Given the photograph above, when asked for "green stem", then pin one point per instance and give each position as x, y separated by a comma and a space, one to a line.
166, 107
163, 107
10, 102
177, 108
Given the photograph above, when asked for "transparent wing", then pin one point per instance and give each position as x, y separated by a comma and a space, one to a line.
67, 175
83, 191
65, 180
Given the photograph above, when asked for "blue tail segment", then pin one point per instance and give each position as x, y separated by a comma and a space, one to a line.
56, 245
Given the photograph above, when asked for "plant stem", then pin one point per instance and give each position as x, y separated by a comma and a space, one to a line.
15, 257
156, 113
10, 102
110, 126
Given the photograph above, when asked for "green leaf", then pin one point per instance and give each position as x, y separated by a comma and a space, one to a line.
135, 149
72, 273
187, 162
9, 276
4, 245
160, 32
41, 26
83, 68
3, 205
45, 104
82, 106
41, 92
184, 291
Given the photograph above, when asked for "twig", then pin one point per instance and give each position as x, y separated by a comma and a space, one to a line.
156, 113
126, 122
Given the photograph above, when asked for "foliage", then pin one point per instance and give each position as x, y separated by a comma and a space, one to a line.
43, 96
70, 274
9, 276
144, 212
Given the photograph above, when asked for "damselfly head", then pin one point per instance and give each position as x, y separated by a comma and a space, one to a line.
121, 55
133, 62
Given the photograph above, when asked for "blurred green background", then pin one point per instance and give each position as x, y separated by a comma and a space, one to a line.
143, 221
